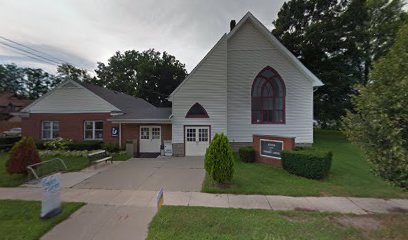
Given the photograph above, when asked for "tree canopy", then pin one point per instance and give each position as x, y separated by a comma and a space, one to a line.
150, 75
26, 82
379, 122
338, 40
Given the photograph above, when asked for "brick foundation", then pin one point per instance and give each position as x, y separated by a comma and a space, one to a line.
288, 144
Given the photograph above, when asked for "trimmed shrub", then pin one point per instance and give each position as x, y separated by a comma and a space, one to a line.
247, 154
111, 147
57, 144
23, 153
307, 162
85, 145
219, 160
6, 143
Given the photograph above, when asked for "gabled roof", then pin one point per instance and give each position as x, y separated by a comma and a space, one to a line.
132, 107
268, 35
128, 107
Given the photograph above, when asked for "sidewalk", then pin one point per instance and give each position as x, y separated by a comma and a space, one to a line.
148, 199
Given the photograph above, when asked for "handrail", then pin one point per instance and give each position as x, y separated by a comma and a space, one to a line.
30, 167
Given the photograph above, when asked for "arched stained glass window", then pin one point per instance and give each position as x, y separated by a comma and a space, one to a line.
268, 98
197, 111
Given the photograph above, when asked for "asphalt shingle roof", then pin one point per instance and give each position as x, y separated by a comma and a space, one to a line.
132, 107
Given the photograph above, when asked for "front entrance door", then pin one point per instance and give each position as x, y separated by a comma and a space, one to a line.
150, 139
197, 139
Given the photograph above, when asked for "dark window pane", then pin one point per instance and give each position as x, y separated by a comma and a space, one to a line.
279, 103
98, 134
98, 125
88, 125
88, 134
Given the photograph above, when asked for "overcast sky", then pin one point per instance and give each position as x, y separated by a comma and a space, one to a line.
84, 32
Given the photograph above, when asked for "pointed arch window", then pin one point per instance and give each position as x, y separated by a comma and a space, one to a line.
268, 98
197, 111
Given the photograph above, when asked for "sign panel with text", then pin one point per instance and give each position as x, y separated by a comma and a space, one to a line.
271, 148
51, 199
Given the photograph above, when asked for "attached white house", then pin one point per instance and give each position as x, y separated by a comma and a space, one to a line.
248, 84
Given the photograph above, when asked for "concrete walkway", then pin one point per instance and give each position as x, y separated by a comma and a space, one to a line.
126, 214
148, 199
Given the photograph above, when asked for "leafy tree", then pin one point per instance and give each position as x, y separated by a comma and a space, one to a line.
150, 75
67, 71
338, 40
37, 82
27, 82
23, 154
11, 78
380, 122
219, 160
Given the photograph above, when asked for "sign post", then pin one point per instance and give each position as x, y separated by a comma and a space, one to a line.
160, 199
51, 199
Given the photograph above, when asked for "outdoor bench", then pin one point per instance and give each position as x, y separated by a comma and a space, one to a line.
99, 156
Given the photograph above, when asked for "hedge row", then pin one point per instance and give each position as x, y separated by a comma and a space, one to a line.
247, 154
307, 162
75, 146
6, 143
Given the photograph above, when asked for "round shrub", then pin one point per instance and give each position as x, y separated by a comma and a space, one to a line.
23, 154
247, 154
219, 160
308, 163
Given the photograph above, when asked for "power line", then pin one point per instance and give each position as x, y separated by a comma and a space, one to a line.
31, 53
20, 44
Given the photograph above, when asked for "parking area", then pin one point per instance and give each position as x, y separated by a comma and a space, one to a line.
151, 174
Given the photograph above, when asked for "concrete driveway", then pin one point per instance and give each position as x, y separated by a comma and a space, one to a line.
150, 174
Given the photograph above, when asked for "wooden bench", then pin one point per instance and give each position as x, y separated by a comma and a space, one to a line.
99, 156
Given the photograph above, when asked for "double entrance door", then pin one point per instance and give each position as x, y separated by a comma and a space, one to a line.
197, 140
150, 139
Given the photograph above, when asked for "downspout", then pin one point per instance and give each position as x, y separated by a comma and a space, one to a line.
120, 135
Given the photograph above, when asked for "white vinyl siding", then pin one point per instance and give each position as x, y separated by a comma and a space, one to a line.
248, 54
93, 130
71, 98
206, 86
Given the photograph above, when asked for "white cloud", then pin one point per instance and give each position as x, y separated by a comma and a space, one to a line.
85, 32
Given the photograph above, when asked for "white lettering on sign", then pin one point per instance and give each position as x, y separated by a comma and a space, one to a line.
51, 200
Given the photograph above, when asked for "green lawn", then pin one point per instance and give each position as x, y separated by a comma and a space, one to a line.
219, 223
73, 164
19, 220
350, 175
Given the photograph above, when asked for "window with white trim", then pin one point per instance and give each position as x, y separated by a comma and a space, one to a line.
49, 129
155, 133
93, 130
191, 134
144, 133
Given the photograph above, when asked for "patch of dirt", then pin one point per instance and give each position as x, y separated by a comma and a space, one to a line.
223, 185
304, 209
397, 210
366, 224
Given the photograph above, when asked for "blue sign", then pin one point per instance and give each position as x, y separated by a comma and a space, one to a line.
115, 131
51, 202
